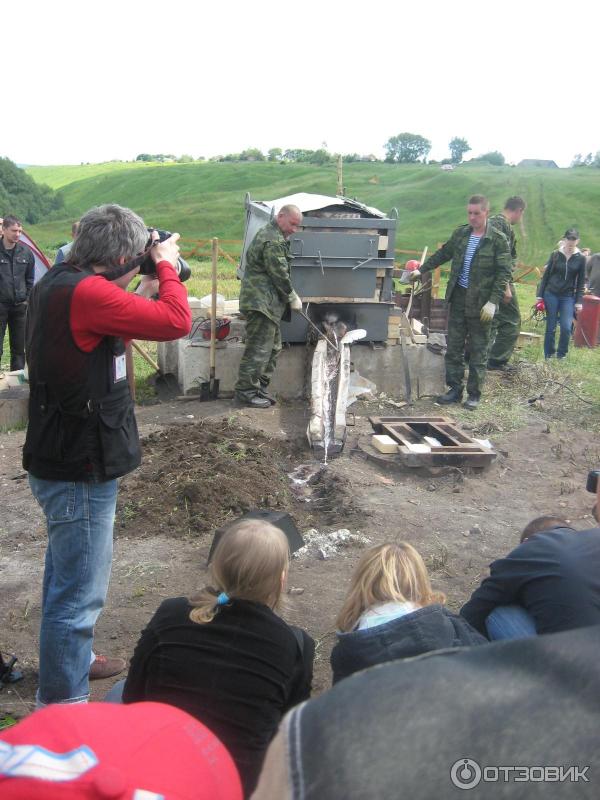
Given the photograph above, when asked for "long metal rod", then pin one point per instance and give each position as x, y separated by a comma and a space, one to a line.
318, 330
213, 309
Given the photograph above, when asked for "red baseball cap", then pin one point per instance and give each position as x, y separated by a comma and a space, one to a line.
104, 751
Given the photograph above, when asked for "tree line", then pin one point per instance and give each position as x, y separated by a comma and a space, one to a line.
404, 148
590, 160
22, 196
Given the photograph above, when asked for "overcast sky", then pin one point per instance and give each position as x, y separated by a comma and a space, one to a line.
100, 81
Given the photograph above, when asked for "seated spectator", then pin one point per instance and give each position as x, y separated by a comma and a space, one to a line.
491, 719
90, 751
392, 612
549, 583
223, 655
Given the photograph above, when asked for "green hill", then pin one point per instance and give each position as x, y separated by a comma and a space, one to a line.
201, 200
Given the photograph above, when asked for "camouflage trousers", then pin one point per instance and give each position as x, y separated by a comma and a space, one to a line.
263, 345
506, 327
466, 331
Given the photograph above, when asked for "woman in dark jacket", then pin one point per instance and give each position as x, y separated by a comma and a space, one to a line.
224, 656
392, 612
561, 289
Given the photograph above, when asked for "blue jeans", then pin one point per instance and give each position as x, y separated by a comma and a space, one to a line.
510, 622
115, 693
559, 308
80, 518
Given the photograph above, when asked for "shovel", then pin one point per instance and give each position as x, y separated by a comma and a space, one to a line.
318, 330
165, 383
209, 390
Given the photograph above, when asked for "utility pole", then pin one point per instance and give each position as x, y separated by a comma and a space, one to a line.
340, 175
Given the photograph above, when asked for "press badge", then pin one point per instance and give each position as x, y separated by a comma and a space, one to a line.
119, 368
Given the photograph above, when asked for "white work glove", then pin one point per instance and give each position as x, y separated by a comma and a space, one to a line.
578, 306
487, 312
295, 302
413, 275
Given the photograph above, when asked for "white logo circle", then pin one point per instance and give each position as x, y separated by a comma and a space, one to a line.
465, 773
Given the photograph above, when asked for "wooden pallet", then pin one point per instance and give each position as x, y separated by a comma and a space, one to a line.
456, 448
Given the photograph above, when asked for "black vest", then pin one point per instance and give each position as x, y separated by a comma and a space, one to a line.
81, 420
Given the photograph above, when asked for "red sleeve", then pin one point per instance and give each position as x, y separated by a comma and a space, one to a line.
99, 308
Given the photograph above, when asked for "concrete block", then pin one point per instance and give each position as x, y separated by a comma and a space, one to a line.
291, 381
14, 407
383, 443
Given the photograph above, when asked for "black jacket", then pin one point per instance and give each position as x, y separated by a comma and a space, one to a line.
554, 575
17, 271
238, 674
415, 730
429, 628
564, 277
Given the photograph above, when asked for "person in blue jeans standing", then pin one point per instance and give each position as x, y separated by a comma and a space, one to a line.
82, 435
561, 289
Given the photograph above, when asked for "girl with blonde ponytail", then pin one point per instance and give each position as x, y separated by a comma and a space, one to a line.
223, 655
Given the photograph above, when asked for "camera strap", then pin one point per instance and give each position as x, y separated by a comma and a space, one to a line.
114, 273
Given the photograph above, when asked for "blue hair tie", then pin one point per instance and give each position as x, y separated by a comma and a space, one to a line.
222, 599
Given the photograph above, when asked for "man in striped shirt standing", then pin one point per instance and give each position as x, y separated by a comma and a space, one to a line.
479, 273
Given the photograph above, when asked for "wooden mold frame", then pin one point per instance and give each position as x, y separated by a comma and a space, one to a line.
456, 447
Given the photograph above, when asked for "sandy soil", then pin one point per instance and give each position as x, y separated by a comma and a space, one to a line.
205, 463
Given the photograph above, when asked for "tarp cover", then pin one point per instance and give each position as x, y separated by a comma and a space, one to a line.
314, 202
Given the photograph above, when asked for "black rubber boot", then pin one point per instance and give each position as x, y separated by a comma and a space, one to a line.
253, 400
471, 402
263, 392
451, 396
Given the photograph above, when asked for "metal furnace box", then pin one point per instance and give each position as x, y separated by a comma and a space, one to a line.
342, 260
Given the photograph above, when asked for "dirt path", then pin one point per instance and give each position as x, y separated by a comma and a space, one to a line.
218, 460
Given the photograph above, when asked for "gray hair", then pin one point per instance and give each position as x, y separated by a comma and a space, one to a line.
108, 234
289, 210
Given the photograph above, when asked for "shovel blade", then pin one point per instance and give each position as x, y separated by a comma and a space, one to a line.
209, 390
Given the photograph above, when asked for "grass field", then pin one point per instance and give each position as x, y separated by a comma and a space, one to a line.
201, 200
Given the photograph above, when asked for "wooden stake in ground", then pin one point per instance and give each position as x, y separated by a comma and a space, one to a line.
209, 390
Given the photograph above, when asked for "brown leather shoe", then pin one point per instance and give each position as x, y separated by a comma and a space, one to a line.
104, 667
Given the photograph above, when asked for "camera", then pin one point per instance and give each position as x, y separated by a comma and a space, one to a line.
148, 267
592, 481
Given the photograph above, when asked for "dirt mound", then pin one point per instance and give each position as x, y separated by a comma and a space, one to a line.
195, 478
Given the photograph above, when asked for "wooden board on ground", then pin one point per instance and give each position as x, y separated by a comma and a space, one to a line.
416, 437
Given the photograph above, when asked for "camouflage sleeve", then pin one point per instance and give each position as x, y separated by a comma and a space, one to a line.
445, 253
503, 269
513, 248
276, 266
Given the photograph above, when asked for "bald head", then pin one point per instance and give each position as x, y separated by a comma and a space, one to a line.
289, 220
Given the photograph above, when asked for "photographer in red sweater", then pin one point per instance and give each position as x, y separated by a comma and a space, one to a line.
82, 434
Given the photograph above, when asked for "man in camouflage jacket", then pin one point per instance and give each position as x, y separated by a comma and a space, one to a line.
506, 324
480, 271
265, 296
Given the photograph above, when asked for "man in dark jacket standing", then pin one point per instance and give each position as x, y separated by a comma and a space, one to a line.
480, 272
17, 267
506, 324
82, 435
266, 296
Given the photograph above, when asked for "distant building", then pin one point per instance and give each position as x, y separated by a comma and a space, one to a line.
538, 162
447, 167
